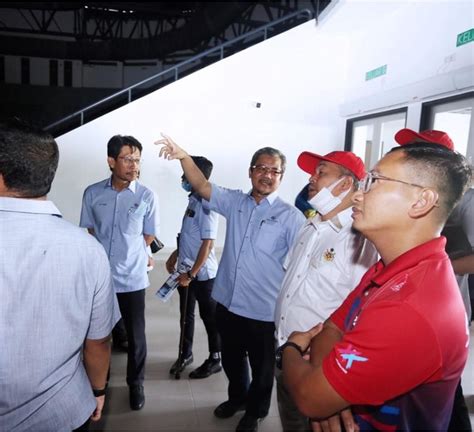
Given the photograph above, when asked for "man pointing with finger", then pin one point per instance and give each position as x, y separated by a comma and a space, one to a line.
260, 229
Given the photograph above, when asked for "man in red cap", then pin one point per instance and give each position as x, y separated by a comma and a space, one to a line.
326, 261
459, 225
395, 349
408, 136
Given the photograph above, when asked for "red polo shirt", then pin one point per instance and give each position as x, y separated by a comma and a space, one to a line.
405, 342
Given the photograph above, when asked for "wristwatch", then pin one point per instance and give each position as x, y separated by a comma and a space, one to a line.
190, 276
99, 392
279, 352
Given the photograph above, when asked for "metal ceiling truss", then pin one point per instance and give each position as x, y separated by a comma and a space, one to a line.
168, 31
249, 20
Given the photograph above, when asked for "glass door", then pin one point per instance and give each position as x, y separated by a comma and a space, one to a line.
372, 137
454, 117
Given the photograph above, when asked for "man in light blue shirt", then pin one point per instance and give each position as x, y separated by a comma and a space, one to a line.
260, 229
122, 215
56, 297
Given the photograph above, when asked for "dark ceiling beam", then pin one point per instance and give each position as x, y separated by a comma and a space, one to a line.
161, 9
57, 6
212, 19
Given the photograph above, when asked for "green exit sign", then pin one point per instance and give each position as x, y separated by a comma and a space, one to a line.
465, 37
375, 73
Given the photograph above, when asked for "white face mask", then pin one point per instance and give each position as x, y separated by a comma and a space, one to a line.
324, 201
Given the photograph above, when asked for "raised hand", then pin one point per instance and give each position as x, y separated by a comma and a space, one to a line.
170, 149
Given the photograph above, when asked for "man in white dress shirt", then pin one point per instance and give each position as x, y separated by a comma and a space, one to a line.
326, 261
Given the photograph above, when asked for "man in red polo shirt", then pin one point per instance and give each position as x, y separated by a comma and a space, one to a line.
462, 218
395, 349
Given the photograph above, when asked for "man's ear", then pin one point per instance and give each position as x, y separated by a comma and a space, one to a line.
346, 184
427, 200
111, 161
3, 187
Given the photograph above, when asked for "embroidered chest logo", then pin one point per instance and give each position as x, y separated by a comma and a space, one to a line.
329, 255
134, 208
190, 212
346, 357
310, 213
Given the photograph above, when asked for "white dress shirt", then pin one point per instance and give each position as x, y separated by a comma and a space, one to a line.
324, 265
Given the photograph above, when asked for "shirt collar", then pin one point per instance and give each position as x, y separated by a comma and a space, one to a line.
270, 198
24, 205
434, 248
337, 222
132, 185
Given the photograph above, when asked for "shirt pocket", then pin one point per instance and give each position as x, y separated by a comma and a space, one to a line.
134, 220
268, 235
325, 266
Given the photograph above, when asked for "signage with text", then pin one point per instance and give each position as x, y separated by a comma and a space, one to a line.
375, 73
465, 37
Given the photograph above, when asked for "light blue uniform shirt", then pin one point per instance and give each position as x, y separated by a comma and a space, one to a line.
119, 220
55, 292
199, 224
258, 238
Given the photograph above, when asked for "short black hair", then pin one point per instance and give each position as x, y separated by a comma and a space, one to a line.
270, 151
204, 164
29, 158
115, 144
445, 170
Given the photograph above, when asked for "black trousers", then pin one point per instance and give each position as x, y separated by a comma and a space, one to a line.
245, 341
199, 291
119, 334
132, 308
460, 420
84, 427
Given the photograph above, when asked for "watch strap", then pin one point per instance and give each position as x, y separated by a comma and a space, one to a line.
294, 345
279, 356
99, 392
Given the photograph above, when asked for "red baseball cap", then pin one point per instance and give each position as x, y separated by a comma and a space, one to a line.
408, 136
308, 162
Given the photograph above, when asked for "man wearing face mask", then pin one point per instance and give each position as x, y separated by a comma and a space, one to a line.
326, 262
196, 245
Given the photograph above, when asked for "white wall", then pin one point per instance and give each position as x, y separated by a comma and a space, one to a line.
417, 42
213, 113
308, 81
133, 74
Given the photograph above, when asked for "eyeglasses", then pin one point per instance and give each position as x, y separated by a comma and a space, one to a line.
130, 161
366, 183
263, 169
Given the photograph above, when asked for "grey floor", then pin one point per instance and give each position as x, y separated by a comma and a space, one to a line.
171, 405
186, 405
